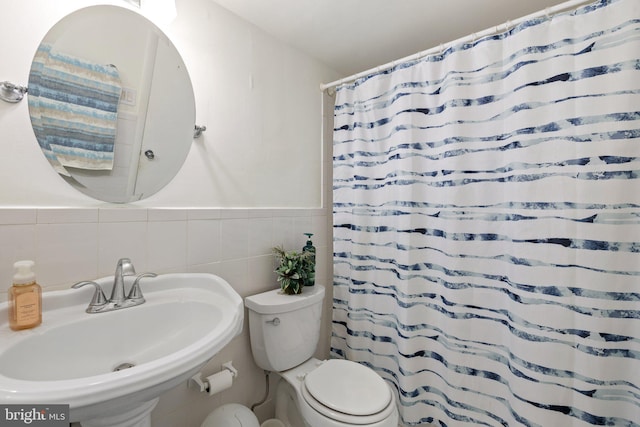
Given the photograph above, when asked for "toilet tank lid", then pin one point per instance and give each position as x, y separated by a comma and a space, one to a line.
274, 301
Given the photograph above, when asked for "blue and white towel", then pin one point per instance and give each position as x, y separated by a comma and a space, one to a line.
35, 82
75, 109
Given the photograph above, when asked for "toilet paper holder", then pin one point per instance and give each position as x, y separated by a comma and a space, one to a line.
204, 385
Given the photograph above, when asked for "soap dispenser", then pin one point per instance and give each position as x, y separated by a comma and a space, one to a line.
311, 280
25, 298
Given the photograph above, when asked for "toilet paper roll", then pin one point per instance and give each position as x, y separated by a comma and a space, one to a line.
219, 382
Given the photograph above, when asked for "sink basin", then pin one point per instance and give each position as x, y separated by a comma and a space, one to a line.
73, 357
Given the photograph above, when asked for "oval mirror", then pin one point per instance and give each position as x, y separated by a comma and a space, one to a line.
111, 103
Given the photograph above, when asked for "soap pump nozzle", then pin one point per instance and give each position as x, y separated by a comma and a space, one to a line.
309, 246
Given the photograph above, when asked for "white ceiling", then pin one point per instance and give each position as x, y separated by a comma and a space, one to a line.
352, 36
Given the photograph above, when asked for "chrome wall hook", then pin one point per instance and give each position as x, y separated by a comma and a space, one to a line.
10, 92
198, 131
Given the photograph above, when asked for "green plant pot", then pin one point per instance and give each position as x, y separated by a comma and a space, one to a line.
294, 270
292, 289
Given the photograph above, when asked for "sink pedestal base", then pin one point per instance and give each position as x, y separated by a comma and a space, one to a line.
140, 416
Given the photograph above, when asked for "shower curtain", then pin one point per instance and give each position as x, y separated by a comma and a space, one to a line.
487, 225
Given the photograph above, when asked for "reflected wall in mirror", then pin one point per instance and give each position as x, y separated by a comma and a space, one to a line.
111, 103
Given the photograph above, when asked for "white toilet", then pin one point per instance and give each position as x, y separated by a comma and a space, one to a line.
284, 332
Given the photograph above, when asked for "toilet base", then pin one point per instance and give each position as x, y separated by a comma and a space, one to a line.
287, 406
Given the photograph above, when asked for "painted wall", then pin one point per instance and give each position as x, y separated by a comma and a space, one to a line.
261, 103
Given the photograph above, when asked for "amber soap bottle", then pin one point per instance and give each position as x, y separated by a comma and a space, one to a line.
25, 298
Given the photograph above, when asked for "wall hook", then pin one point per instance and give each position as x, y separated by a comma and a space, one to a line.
11, 92
198, 131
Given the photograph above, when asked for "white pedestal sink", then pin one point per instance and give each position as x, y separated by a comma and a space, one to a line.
70, 358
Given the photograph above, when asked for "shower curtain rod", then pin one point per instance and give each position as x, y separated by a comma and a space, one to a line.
562, 7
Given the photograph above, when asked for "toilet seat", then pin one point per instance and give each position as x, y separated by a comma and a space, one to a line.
348, 392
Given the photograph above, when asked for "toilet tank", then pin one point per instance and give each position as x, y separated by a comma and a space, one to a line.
284, 329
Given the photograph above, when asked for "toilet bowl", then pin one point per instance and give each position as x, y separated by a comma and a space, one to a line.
334, 393
284, 331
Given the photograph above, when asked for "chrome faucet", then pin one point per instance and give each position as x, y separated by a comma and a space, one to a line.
99, 303
124, 268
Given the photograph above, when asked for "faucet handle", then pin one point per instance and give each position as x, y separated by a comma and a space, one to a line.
98, 300
135, 294
126, 266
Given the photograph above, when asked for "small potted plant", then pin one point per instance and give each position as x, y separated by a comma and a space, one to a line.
294, 269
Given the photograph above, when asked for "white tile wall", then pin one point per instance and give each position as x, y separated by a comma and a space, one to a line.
122, 240
203, 241
234, 239
69, 245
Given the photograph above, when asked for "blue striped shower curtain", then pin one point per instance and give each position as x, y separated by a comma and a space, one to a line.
487, 225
